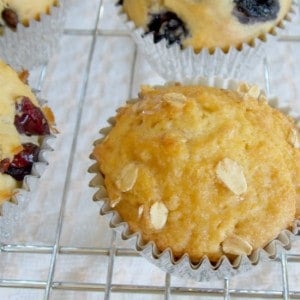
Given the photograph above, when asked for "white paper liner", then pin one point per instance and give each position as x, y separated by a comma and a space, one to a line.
174, 63
204, 270
29, 47
10, 209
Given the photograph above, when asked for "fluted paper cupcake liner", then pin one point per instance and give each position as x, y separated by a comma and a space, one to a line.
10, 209
175, 63
31, 46
204, 270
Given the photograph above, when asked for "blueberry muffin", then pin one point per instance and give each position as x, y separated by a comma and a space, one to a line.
23, 126
201, 170
207, 23
29, 31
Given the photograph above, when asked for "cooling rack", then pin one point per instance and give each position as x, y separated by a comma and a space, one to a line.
59, 247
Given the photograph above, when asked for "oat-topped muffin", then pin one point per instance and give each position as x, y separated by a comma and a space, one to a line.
17, 11
23, 124
202, 170
207, 23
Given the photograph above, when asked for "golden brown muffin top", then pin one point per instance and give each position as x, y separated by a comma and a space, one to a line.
22, 11
202, 170
211, 23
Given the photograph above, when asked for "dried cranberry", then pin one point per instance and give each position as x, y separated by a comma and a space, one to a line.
21, 164
10, 18
29, 119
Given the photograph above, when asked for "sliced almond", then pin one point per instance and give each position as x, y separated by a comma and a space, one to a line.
236, 245
127, 177
140, 211
254, 91
158, 215
115, 202
249, 91
294, 138
175, 99
232, 175
243, 88
262, 98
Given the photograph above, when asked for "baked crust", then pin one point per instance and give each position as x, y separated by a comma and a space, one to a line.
201, 170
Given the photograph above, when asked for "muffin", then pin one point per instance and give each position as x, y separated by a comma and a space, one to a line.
199, 171
29, 31
213, 31
207, 24
24, 125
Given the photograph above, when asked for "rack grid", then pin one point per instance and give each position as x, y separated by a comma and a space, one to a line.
59, 247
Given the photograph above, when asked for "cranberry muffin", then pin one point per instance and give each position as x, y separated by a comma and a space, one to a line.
29, 31
207, 23
202, 170
16, 11
23, 126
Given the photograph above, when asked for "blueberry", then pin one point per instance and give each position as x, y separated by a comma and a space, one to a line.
252, 11
167, 26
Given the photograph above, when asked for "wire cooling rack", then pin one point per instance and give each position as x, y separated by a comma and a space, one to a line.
59, 247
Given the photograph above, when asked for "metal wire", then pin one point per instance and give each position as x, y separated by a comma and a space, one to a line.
285, 283
112, 252
226, 289
71, 157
